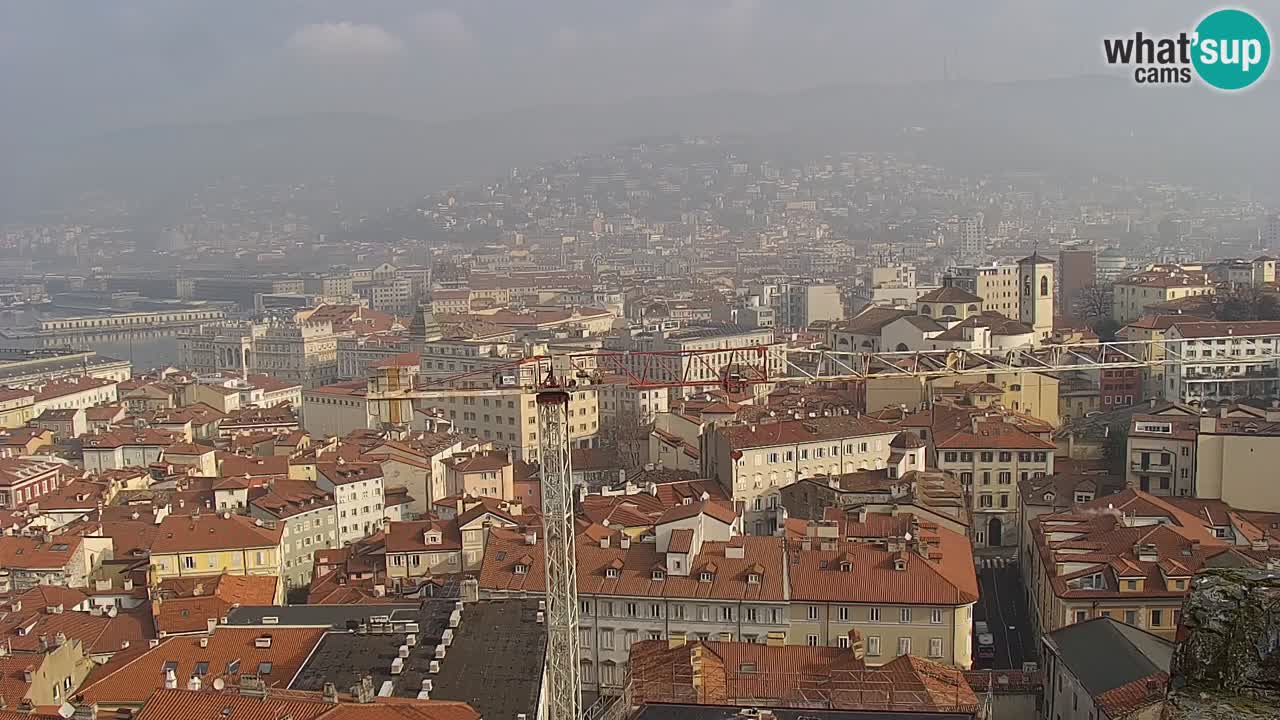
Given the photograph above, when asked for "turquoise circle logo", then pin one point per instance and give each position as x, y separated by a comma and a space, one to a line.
1232, 49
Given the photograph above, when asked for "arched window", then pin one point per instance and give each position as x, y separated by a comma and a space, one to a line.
902, 347
948, 309
973, 308
926, 310
1044, 285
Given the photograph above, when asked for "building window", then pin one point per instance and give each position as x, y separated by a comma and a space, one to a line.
813, 640
843, 613
873, 645
904, 646
935, 647
873, 614
813, 612
1157, 618
904, 615
935, 616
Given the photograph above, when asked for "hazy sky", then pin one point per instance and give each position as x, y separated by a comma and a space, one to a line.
85, 66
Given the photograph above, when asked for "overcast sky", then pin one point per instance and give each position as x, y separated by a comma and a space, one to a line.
86, 66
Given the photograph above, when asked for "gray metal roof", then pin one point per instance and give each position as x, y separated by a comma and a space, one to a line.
1104, 653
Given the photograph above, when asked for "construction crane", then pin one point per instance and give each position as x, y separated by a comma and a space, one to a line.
553, 379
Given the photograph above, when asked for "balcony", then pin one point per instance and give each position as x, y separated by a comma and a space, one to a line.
1164, 468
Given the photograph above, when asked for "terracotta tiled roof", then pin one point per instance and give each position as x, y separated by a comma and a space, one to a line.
121, 437
212, 531
994, 435
719, 510
410, 536
946, 577
199, 599
488, 461
134, 679
729, 581
32, 553
790, 432
949, 294
788, 675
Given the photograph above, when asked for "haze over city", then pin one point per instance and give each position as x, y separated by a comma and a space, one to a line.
568, 360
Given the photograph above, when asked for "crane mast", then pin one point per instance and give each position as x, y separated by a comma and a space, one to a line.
560, 559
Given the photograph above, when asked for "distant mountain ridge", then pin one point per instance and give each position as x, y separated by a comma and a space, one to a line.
1088, 124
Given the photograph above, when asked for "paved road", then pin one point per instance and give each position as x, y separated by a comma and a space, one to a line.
1001, 605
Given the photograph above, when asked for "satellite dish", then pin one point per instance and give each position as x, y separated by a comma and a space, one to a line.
219, 684
66, 710
907, 537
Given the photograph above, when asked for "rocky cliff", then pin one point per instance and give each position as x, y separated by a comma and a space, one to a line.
1227, 664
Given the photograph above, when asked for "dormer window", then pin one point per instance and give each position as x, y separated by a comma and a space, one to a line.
611, 572
705, 576
658, 575
753, 579
687, 501
522, 569
900, 564
846, 566
433, 538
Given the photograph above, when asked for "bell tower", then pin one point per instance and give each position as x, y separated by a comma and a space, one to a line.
1035, 294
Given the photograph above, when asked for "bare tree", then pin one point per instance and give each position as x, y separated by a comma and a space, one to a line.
627, 434
1093, 302
1245, 303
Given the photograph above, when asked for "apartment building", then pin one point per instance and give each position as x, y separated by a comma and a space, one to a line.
309, 521
26, 480
65, 560
76, 392
1132, 296
1237, 451
995, 284
1160, 455
714, 345
198, 544
1191, 374
423, 549
696, 576
510, 419
621, 400
125, 447
910, 591
480, 473
16, 407
1131, 557
798, 305
753, 462
990, 457
359, 496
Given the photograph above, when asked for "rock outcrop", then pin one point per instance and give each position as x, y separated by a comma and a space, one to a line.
1227, 663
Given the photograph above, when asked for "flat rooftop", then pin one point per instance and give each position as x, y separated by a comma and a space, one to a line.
345, 656
496, 661
336, 617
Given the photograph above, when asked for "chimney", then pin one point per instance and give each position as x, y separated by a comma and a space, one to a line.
170, 679
364, 691
194, 683
85, 711
856, 645
331, 693
676, 639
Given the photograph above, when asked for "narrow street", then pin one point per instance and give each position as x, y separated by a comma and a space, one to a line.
1001, 605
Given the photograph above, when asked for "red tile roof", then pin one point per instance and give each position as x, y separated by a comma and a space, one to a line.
213, 531
729, 580
133, 679
790, 432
